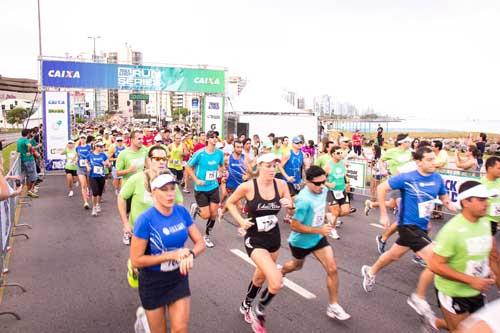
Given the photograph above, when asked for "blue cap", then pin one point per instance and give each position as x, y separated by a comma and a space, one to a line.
297, 140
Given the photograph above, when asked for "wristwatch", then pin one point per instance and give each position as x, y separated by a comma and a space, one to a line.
192, 252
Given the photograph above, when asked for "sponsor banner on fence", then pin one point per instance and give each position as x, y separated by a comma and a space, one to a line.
5, 222
453, 182
356, 172
57, 129
213, 114
70, 74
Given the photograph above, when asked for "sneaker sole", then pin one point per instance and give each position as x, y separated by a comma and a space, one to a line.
410, 303
333, 316
378, 247
246, 316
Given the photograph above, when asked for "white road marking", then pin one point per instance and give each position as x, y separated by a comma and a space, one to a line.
288, 283
377, 225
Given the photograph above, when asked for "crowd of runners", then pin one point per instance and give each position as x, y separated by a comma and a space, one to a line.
265, 184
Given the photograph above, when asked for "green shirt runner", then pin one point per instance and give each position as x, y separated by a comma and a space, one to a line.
396, 158
493, 202
128, 157
71, 158
22, 148
467, 247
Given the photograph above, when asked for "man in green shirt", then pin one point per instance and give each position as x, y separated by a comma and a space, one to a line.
132, 159
28, 166
461, 257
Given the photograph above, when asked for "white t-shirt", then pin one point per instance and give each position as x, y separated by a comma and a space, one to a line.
228, 149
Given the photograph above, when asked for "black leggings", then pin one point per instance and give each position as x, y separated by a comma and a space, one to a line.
97, 186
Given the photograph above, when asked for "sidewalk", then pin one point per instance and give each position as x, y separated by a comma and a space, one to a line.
72, 285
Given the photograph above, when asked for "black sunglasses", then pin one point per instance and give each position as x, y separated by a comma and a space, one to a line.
318, 183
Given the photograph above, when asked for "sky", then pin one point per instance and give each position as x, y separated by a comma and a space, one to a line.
431, 59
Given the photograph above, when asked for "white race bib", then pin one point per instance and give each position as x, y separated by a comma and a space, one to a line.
211, 175
338, 194
425, 208
82, 163
169, 265
138, 163
266, 223
477, 268
148, 198
495, 209
98, 170
318, 220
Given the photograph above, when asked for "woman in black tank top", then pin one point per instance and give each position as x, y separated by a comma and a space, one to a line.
265, 197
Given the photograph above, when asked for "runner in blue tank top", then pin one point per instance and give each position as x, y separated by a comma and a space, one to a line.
291, 168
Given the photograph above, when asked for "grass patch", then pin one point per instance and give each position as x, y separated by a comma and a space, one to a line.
6, 156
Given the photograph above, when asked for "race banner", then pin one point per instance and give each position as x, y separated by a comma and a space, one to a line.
356, 172
453, 182
57, 129
70, 74
213, 114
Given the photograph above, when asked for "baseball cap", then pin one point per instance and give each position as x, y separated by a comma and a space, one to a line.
297, 140
211, 133
71, 141
119, 138
158, 138
344, 139
83, 135
478, 191
99, 143
267, 158
267, 144
162, 180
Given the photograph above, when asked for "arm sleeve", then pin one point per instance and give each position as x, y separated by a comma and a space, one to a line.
300, 211
142, 227
397, 182
445, 246
128, 188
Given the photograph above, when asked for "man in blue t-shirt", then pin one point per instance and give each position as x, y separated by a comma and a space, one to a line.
419, 191
204, 167
309, 233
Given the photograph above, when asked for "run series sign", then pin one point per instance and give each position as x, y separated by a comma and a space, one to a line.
69, 74
57, 128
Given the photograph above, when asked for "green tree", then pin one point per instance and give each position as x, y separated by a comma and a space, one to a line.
17, 115
179, 113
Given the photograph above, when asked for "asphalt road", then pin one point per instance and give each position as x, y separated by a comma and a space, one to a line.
74, 269
8, 138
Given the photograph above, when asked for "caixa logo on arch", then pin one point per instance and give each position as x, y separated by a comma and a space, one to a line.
64, 74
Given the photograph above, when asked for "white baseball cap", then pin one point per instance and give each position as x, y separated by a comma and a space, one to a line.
478, 191
158, 138
268, 158
163, 180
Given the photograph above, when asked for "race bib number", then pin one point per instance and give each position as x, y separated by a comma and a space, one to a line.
495, 209
478, 268
169, 265
71, 162
296, 187
176, 162
266, 223
138, 163
338, 194
211, 175
425, 209
318, 220
82, 163
98, 170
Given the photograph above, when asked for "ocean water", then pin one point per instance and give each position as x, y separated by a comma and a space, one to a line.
445, 125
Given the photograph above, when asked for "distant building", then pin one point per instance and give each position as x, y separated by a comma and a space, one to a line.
323, 105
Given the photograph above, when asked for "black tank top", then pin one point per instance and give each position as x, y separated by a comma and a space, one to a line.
264, 213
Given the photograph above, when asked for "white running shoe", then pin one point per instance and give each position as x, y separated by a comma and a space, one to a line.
126, 238
419, 305
70, 194
368, 279
193, 210
368, 207
334, 234
94, 211
335, 311
76, 184
208, 241
338, 223
98, 208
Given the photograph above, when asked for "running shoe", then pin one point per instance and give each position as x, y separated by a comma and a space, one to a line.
335, 311
76, 184
126, 238
339, 223
98, 208
380, 244
208, 241
368, 207
245, 311
368, 280
185, 190
353, 210
420, 306
132, 276
257, 320
334, 234
220, 215
94, 211
194, 210
86, 205
419, 261
70, 194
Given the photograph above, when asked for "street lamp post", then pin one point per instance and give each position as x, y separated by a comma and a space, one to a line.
94, 60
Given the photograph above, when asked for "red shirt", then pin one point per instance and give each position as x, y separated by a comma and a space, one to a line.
357, 139
148, 140
198, 146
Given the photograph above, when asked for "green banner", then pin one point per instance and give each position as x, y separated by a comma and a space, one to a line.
138, 97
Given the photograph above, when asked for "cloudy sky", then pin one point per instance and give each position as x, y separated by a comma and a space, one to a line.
403, 57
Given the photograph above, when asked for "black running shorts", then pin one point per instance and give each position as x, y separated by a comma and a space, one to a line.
270, 241
413, 237
332, 201
204, 199
300, 253
459, 305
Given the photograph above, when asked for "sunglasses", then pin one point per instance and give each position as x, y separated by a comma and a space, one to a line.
318, 183
159, 159
338, 153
